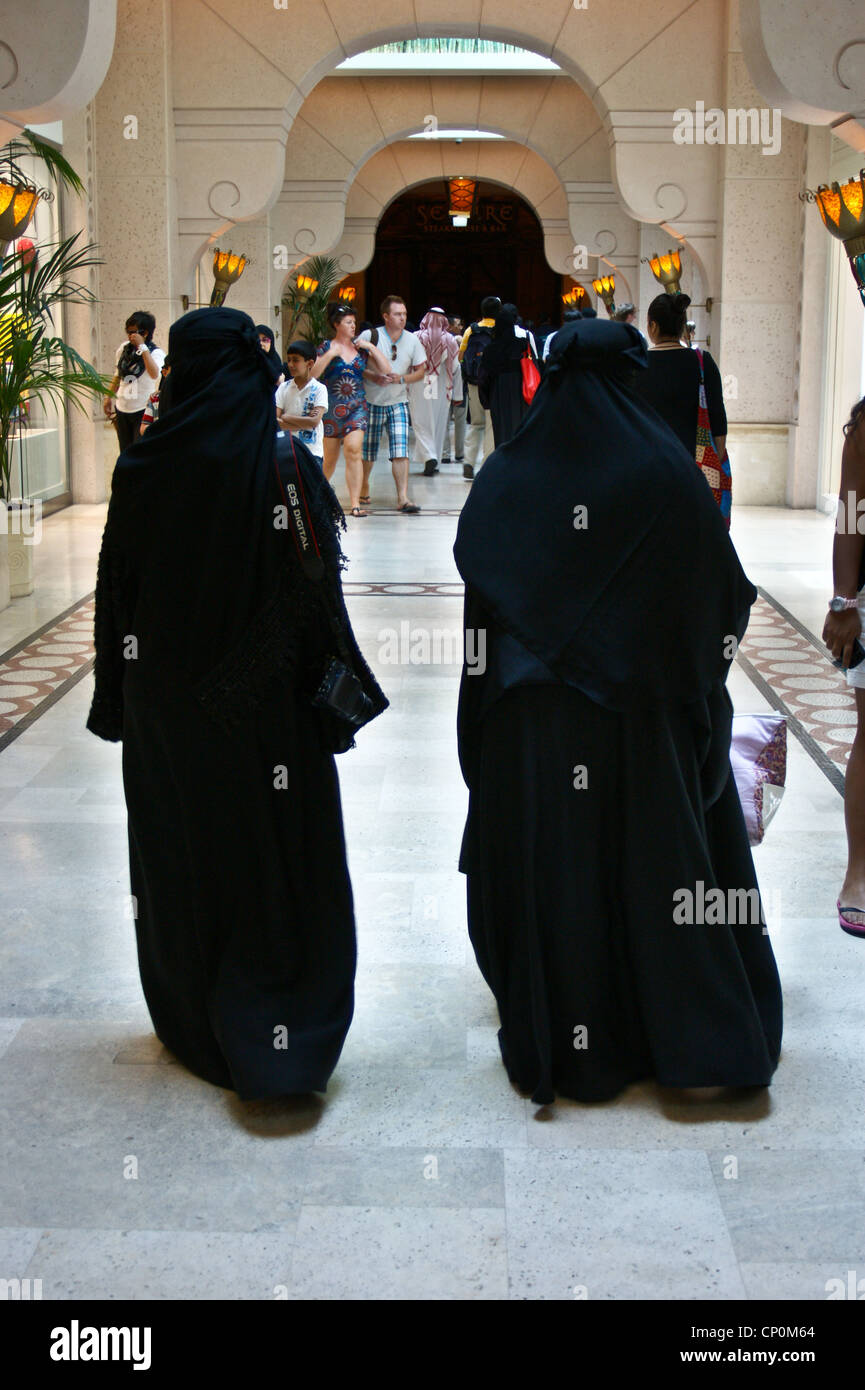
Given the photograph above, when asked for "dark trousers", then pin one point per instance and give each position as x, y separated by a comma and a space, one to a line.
128, 426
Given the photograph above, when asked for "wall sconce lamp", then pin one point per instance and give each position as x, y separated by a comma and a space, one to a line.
576, 298
843, 211
17, 205
228, 267
605, 289
667, 270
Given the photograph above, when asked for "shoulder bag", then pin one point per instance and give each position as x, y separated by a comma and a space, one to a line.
715, 470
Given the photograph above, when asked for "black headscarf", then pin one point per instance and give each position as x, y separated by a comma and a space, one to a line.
272, 355
192, 563
506, 348
638, 605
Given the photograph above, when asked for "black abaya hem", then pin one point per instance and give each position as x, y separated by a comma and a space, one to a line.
571, 898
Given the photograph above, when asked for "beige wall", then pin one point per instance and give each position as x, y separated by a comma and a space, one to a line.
246, 139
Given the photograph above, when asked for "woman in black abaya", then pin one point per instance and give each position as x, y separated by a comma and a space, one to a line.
210, 636
595, 745
500, 378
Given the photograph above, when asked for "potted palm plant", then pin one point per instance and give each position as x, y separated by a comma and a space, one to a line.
306, 314
36, 364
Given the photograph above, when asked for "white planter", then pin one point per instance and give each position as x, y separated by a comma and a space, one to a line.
20, 566
23, 528
4, 564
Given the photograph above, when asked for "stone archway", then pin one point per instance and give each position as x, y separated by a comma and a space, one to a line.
420, 255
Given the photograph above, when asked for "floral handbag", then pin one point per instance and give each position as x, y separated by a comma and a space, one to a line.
715, 470
758, 756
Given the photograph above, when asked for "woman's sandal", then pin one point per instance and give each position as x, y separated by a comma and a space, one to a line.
357, 511
852, 928
365, 501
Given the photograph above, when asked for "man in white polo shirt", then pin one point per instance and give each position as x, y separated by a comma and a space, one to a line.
388, 397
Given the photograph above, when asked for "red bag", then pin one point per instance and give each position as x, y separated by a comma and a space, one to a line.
531, 375
715, 470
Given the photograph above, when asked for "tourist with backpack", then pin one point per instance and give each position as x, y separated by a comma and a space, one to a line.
479, 433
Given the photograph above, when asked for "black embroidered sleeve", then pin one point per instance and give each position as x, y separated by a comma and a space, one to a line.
106, 711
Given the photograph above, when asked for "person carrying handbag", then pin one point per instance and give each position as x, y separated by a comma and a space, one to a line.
501, 375
684, 387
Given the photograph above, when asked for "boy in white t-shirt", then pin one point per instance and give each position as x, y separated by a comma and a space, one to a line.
302, 401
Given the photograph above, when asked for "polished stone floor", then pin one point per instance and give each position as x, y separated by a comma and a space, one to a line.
421, 1174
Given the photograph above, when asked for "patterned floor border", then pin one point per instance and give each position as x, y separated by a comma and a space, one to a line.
41, 668
394, 588
794, 671
784, 661
372, 510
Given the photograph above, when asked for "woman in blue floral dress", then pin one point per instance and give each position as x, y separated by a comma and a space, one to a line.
340, 366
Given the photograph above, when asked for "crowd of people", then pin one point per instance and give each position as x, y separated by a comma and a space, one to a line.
347, 392
247, 680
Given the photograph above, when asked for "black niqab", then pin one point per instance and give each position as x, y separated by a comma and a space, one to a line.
271, 354
636, 598
244, 920
216, 600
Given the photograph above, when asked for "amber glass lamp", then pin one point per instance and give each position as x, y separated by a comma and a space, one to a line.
605, 289
462, 197
667, 270
842, 207
17, 206
228, 267
576, 298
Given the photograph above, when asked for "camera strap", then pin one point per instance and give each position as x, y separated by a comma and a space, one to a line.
306, 542
299, 519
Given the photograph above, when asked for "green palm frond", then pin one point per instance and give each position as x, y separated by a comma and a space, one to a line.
28, 144
309, 313
36, 365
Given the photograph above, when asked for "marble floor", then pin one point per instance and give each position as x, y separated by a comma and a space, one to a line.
421, 1174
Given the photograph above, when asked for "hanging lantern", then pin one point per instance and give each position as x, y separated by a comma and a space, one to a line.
228, 266
306, 284
605, 289
667, 270
347, 294
842, 208
576, 298
462, 196
17, 206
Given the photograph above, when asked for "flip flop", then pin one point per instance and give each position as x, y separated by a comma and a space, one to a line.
365, 501
356, 511
852, 928
409, 508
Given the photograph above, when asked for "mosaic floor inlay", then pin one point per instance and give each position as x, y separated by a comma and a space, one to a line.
36, 673
782, 658
795, 673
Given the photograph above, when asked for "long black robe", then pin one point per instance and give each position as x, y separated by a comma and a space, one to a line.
595, 745
500, 386
244, 922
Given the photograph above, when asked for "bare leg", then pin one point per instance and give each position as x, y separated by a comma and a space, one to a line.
331, 456
367, 470
853, 891
353, 466
399, 468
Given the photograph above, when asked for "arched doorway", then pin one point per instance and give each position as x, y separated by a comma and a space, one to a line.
422, 256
